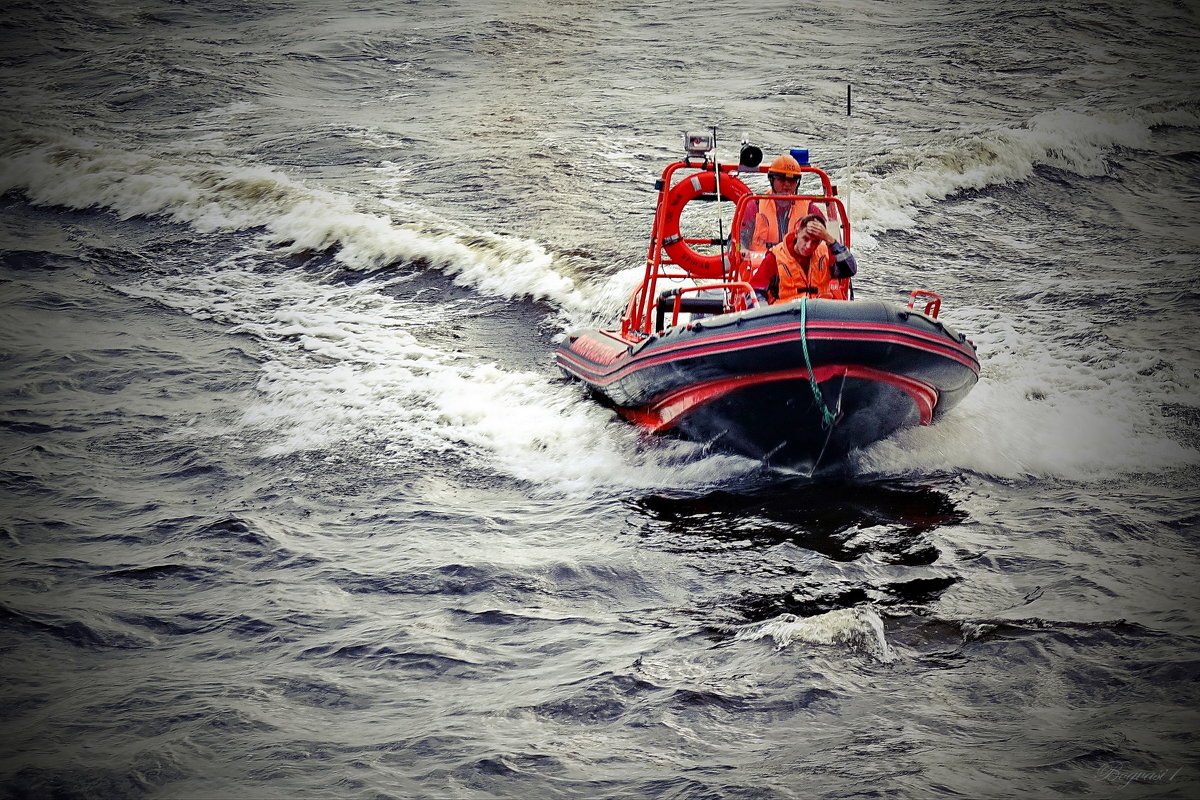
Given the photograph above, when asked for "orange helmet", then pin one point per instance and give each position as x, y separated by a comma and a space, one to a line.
785, 165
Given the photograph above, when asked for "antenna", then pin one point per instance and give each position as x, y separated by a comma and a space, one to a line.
846, 195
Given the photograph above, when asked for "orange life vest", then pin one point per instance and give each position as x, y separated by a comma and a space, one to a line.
766, 224
812, 277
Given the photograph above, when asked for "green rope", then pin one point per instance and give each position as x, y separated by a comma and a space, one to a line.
827, 416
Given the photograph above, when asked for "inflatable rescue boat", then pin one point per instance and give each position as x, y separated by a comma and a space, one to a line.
798, 385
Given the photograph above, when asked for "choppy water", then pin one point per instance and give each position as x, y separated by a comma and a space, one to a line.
295, 503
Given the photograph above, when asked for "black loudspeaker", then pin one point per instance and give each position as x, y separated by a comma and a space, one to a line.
750, 157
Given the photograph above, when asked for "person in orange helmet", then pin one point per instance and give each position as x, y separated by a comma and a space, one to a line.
767, 220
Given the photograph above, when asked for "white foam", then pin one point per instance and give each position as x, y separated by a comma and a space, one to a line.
1053, 400
914, 177
859, 628
211, 195
347, 366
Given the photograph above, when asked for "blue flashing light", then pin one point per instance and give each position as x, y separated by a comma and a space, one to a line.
801, 155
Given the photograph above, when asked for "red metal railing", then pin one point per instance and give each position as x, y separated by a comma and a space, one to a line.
639, 316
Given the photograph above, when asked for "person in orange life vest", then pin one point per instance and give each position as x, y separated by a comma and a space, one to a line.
802, 264
766, 221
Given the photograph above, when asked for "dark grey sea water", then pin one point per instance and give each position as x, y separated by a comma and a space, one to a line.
295, 504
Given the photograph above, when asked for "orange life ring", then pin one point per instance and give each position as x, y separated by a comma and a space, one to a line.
682, 193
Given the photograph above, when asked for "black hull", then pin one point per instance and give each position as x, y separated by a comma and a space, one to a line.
794, 433
741, 382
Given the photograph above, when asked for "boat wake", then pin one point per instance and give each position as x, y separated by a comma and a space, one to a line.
892, 192
357, 356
